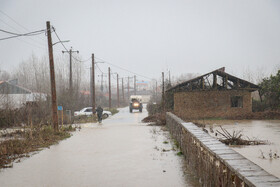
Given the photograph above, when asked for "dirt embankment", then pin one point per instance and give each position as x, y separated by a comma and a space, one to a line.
20, 143
155, 120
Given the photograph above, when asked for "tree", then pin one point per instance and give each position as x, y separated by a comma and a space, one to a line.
270, 91
4, 75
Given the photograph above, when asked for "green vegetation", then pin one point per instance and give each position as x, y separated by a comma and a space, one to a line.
176, 143
179, 153
270, 94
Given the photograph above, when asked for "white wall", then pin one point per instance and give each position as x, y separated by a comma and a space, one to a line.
18, 100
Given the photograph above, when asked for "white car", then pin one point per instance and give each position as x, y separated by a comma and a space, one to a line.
88, 112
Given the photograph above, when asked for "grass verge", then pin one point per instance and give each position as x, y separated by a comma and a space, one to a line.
112, 110
30, 141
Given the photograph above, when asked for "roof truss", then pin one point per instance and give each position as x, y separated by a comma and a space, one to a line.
215, 80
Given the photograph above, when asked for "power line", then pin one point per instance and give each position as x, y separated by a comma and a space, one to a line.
99, 68
43, 44
25, 41
25, 34
66, 50
34, 33
81, 60
9, 32
125, 69
59, 40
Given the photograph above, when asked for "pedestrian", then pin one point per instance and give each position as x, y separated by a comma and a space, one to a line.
99, 112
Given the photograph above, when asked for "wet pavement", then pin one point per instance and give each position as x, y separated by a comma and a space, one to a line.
120, 152
262, 130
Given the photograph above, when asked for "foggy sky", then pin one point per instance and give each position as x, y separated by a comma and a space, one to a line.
150, 36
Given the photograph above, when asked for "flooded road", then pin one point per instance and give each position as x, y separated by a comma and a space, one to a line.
261, 130
121, 152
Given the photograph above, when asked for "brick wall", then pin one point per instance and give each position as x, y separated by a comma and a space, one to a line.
210, 104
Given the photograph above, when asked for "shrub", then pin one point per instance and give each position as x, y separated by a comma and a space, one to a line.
154, 108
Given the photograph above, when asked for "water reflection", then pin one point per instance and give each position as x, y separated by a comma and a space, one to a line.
260, 129
120, 152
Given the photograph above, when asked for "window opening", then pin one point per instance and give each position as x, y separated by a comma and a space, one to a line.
236, 101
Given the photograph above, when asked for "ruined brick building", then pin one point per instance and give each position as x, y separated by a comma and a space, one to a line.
214, 95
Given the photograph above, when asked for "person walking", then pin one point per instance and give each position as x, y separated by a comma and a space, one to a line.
99, 112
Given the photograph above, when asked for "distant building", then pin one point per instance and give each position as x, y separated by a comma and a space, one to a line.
213, 95
142, 85
14, 96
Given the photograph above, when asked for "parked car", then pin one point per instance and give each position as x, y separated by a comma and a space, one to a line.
88, 112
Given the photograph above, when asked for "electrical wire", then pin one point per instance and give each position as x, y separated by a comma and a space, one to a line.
67, 49
81, 60
34, 33
99, 68
124, 69
113, 77
25, 34
60, 40
33, 43
22, 27
36, 44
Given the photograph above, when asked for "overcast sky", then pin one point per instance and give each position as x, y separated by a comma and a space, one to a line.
150, 36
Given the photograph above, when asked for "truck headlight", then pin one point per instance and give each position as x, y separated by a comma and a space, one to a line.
136, 104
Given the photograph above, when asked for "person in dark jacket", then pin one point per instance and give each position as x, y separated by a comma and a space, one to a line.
99, 112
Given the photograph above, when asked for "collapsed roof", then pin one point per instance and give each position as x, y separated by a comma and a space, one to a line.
215, 80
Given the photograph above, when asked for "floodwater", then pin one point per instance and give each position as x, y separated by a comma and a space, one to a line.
120, 152
262, 130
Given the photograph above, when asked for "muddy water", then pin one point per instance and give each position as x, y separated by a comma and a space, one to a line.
120, 152
262, 130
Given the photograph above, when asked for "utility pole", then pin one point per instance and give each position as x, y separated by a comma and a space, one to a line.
90, 83
118, 91
70, 70
127, 87
162, 100
156, 90
109, 73
122, 90
134, 84
52, 77
169, 77
93, 85
102, 82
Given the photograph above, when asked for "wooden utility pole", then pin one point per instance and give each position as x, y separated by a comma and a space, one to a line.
118, 91
122, 91
52, 77
156, 89
70, 70
134, 84
93, 84
163, 96
128, 87
169, 77
109, 75
102, 82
